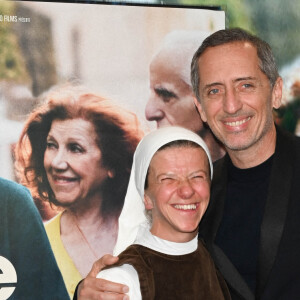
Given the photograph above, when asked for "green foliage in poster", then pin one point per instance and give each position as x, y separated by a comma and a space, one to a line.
12, 65
278, 22
236, 11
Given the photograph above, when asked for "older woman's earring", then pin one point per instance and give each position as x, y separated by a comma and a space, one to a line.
110, 174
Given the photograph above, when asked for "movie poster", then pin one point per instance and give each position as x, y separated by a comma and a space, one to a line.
130, 67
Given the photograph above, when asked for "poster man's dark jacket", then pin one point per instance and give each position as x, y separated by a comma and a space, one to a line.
278, 271
23, 241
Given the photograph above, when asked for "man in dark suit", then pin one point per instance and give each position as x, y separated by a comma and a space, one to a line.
252, 225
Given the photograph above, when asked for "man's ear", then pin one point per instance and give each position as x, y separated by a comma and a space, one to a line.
201, 111
277, 93
148, 202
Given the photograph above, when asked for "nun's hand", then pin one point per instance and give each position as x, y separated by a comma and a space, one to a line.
95, 288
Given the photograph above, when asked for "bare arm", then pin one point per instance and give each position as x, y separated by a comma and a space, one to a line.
95, 288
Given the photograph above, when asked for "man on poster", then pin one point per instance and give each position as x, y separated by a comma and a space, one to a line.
171, 100
252, 225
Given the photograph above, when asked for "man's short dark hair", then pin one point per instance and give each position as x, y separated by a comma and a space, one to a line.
264, 52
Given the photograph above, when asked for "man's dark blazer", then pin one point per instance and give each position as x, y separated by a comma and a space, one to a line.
278, 275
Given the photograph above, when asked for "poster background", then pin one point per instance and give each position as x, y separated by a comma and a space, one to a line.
107, 47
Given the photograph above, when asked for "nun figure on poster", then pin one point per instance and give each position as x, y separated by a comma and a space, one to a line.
168, 193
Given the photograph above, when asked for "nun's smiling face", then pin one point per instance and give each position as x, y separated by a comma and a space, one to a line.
178, 192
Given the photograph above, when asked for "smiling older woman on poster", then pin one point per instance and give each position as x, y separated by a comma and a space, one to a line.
76, 152
162, 258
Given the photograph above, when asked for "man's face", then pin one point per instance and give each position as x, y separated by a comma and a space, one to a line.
171, 100
236, 96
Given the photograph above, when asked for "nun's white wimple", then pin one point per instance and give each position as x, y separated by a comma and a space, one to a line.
132, 214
